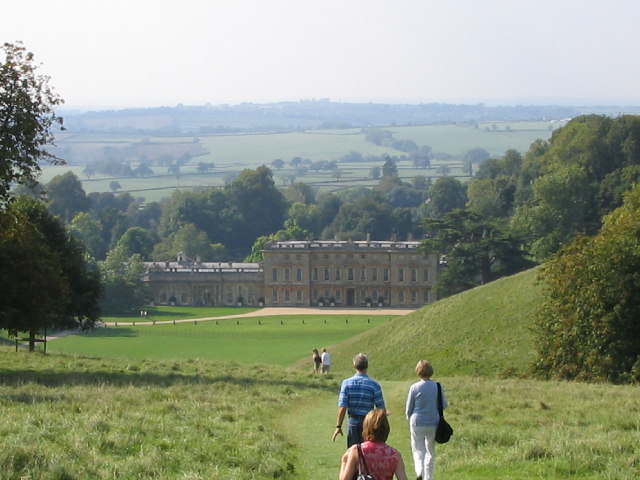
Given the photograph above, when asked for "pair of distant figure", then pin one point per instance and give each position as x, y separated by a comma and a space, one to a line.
362, 401
321, 362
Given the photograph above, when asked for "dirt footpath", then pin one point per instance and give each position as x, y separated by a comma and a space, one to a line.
277, 311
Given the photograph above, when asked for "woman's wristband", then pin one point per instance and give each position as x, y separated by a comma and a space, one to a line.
339, 426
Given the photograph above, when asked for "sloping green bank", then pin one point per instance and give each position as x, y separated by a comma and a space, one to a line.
485, 331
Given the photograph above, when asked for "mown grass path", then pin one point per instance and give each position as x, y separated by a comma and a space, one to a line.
504, 429
309, 424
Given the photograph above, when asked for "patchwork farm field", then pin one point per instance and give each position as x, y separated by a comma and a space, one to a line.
231, 153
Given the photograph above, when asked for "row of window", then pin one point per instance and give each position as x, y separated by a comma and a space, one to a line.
340, 273
327, 256
336, 295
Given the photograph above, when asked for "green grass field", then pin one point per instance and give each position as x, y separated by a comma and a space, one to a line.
274, 340
76, 416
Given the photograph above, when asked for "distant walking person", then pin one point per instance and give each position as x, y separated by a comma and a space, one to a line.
358, 396
317, 360
423, 416
326, 361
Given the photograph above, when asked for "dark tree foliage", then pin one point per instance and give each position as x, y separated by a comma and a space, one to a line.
290, 233
44, 276
27, 118
576, 179
445, 195
389, 169
122, 279
474, 250
235, 216
66, 196
259, 204
588, 327
366, 216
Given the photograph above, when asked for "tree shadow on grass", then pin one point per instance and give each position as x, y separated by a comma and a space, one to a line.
122, 332
130, 375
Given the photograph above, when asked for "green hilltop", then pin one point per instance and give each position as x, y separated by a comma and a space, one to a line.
485, 331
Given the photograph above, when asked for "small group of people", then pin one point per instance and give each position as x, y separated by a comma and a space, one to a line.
321, 361
362, 402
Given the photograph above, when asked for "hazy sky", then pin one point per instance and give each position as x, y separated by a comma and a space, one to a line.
117, 53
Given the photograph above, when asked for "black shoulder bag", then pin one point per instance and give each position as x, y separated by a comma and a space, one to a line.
443, 430
363, 473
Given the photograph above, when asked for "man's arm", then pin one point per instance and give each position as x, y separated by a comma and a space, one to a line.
341, 413
378, 399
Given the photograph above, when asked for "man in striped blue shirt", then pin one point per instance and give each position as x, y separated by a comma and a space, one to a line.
358, 395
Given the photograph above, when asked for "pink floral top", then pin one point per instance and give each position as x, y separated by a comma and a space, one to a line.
381, 459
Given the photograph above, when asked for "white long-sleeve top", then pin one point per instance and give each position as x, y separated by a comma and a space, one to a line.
422, 403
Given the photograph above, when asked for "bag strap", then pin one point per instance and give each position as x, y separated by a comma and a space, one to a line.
364, 462
440, 400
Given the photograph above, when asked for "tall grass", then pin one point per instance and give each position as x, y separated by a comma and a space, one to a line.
83, 418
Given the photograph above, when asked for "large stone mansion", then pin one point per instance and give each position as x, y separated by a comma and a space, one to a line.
304, 273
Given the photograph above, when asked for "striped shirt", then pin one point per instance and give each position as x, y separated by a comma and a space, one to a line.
360, 394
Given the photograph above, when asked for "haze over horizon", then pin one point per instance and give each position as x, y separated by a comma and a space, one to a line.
146, 53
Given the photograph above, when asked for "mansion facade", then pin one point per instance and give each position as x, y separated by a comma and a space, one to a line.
302, 274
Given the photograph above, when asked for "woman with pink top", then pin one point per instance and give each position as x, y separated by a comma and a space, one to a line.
373, 456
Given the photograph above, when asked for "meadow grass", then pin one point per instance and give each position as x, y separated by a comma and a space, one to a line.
65, 417
73, 417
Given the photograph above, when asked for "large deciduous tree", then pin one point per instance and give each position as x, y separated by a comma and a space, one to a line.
66, 196
27, 118
588, 326
368, 215
445, 195
45, 278
123, 282
259, 203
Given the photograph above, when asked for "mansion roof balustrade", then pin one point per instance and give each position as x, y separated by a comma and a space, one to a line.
343, 245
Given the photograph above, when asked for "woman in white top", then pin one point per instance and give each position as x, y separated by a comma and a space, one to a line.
422, 413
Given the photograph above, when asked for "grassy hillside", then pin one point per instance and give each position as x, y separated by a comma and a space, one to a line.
484, 331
